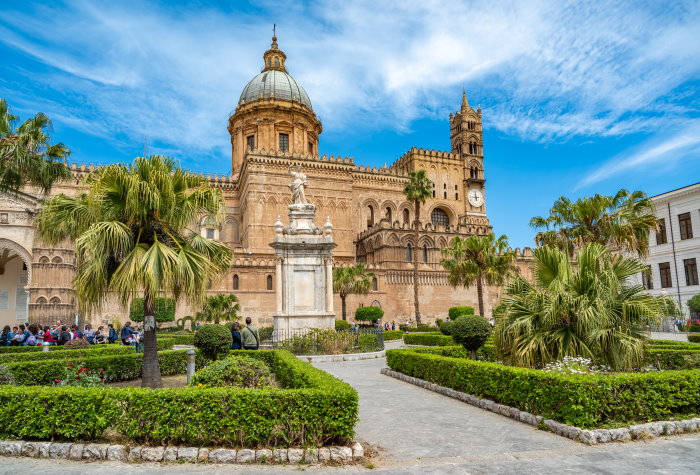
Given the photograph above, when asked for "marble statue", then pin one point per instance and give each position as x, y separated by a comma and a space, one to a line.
297, 186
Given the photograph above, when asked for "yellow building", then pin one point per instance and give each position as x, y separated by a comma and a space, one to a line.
273, 128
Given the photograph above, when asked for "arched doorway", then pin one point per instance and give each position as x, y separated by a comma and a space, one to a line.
15, 276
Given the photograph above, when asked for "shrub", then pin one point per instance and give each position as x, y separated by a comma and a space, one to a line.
672, 358
422, 328
236, 372
317, 409
585, 401
94, 350
80, 376
455, 312
368, 314
485, 353
342, 325
694, 338
368, 342
446, 328
694, 303
321, 342
174, 339
165, 310
428, 339
471, 331
265, 333
6, 376
77, 345
213, 340
392, 335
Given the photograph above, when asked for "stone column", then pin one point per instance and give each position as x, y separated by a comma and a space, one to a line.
278, 285
329, 285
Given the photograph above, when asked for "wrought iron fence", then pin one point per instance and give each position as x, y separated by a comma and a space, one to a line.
326, 342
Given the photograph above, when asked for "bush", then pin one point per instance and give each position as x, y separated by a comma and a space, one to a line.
485, 353
78, 375
236, 372
694, 303
428, 339
368, 314
265, 333
446, 328
672, 358
77, 345
422, 328
392, 335
342, 325
317, 409
213, 340
586, 401
471, 331
187, 339
321, 342
165, 310
694, 338
6, 376
368, 342
94, 350
455, 312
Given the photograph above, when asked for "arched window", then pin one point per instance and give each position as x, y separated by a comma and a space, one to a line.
388, 213
406, 216
235, 281
269, 282
370, 216
55, 300
277, 62
433, 189
57, 260
409, 253
425, 253
43, 260
41, 300
208, 228
375, 284
438, 216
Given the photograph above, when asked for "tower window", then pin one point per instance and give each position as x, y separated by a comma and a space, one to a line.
388, 214
438, 216
406, 216
269, 282
250, 142
409, 253
425, 253
456, 193
284, 142
375, 284
370, 216
433, 189
210, 233
277, 62
235, 281
311, 148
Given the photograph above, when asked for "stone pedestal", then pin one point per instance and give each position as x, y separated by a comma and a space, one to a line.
304, 272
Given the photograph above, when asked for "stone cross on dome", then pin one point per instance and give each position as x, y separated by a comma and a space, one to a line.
274, 57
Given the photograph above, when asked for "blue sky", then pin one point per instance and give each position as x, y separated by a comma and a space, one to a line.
577, 97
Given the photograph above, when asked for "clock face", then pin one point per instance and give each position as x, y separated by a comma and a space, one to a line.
476, 198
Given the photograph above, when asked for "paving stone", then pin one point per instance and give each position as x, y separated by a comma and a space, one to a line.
59, 450
31, 449
222, 456
153, 454
280, 455
341, 454
116, 453
295, 455
245, 456
203, 455
94, 452
134, 454
358, 451
170, 454
263, 456
11, 448
187, 454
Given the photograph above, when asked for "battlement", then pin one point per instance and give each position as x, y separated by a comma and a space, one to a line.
81, 170
425, 154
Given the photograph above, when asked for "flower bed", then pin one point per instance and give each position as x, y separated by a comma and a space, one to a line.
585, 401
314, 408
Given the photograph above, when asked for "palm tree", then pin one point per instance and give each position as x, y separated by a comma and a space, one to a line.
418, 189
27, 156
478, 260
622, 221
587, 309
219, 307
132, 236
351, 280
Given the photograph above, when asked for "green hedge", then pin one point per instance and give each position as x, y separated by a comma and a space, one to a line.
694, 338
673, 358
102, 350
585, 401
428, 339
485, 353
165, 310
318, 409
455, 312
178, 339
392, 335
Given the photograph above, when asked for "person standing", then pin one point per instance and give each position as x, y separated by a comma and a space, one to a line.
65, 336
127, 334
112, 336
236, 336
249, 335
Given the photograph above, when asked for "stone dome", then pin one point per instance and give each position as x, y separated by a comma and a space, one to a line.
277, 84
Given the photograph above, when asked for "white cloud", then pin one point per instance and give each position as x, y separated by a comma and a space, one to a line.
542, 70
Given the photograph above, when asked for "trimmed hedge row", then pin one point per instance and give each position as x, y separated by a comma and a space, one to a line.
585, 401
320, 409
392, 335
670, 358
177, 339
103, 350
694, 338
428, 339
485, 353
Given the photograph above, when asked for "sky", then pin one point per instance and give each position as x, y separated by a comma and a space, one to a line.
578, 97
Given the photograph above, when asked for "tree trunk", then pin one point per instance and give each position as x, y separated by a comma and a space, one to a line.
342, 302
151, 367
415, 264
480, 295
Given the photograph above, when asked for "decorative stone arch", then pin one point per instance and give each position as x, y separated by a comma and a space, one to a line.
393, 240
21, 252
231, 230
406, 240
441, 242
370, 212
426, 240
403, 209
55, 300
41, 300
378, 242
388, 211
57, 260
449, 210
44, 260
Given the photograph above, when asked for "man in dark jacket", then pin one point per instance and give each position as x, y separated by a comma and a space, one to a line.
112, 337
65, 336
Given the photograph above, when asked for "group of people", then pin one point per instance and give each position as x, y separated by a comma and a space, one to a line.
58, 334
246, 339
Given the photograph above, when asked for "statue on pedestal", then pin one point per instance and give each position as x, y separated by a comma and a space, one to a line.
297, 186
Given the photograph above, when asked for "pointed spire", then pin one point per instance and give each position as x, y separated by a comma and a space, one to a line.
465, 104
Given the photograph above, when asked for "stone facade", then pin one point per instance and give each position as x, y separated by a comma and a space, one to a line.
272, 129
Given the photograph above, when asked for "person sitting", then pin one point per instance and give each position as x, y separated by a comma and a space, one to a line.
100, 336
5, 336
89, 334
127, 334
75, 331
236, 336
11, 336
49, 337
65, 336
31, 336
112, 336
19, 337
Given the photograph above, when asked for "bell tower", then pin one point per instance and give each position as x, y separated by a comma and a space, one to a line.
466, 137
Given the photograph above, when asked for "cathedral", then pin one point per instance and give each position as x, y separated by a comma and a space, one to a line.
274, 128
